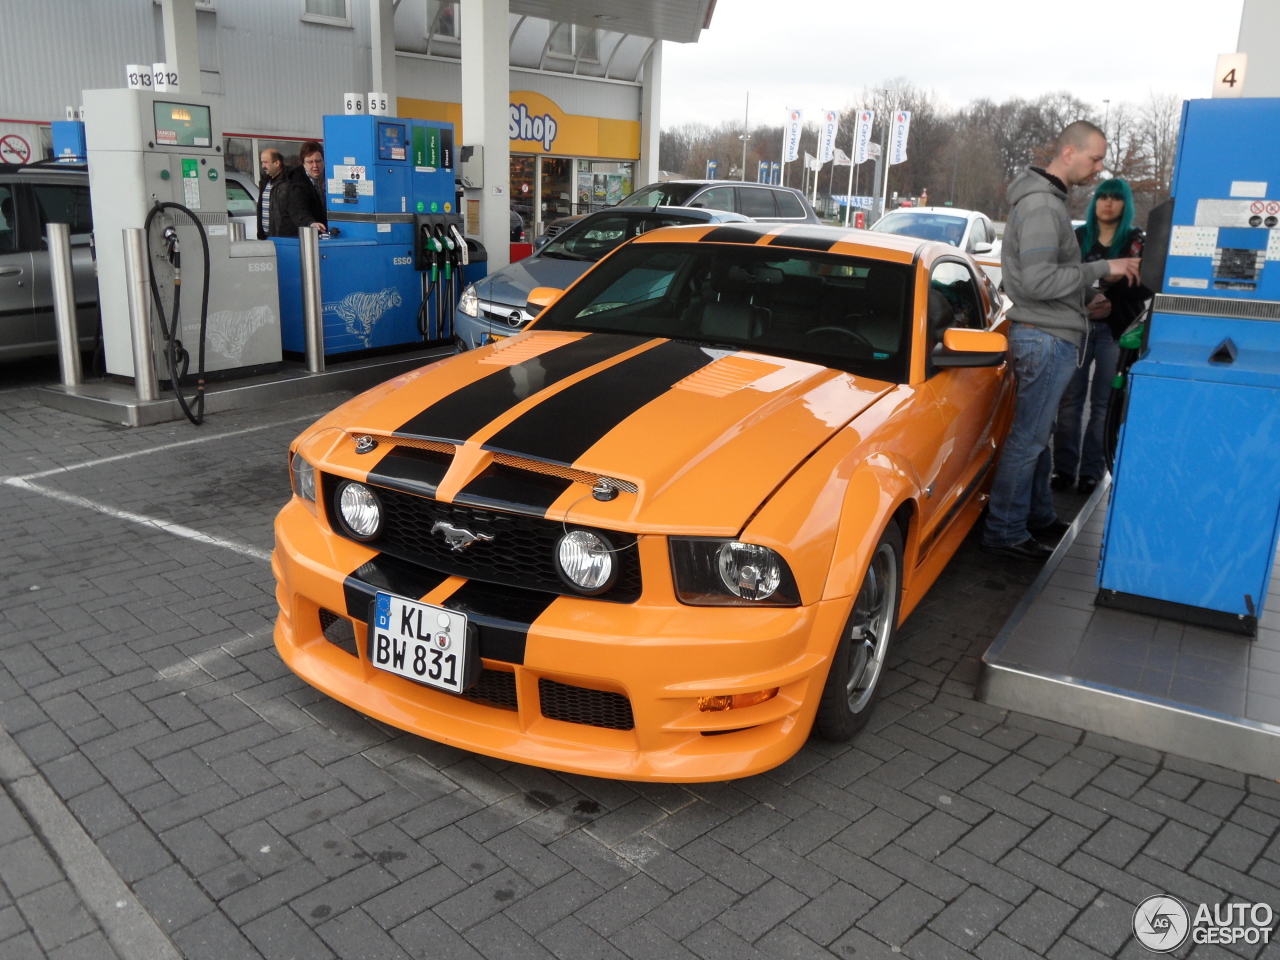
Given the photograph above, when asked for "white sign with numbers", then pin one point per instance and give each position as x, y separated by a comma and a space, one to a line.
378, 104
1228, 80
164, 79
352, 103
138, 76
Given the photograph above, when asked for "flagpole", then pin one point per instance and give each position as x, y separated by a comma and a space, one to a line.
853, 153
888, 164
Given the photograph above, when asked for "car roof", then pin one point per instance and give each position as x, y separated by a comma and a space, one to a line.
42, 168
952, 211
886, 246
727, 183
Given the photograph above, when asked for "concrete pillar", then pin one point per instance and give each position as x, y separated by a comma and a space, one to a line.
1260, 39
382, 38
650, 119
486, 99
181, 49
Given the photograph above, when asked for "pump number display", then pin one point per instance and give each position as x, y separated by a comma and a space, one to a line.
419, 641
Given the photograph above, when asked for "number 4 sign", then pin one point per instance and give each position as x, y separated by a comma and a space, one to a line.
1228, 80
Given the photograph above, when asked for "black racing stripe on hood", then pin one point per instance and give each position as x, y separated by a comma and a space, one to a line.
567, 424
388, 573
508, 488
411, 470
502, 616
731, 234
804, 239
468, 409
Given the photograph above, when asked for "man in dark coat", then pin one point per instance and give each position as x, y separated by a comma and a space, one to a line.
269, 194
302, 201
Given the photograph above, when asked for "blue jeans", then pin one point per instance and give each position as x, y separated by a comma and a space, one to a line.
1020, 495
1102, 353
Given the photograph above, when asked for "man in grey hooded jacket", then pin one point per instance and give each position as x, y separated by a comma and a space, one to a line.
1043, 276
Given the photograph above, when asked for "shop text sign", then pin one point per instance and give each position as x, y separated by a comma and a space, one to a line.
539, 128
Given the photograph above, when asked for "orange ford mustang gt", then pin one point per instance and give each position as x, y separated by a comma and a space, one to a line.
670, 529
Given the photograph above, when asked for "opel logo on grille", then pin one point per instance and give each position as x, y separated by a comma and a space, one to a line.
458, 538
515, 319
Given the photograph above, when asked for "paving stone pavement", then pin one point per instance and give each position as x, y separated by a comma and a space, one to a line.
254, 817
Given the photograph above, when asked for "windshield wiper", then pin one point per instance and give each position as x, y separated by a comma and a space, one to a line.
563, 255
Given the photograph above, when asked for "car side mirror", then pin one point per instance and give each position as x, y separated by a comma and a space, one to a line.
540, 242
542, 297
961, 347
982, 248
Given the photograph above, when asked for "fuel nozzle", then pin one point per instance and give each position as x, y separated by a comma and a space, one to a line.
447, 248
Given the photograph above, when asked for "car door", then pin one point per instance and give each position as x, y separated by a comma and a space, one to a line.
16, 330
63, 202
716, 198
967, 398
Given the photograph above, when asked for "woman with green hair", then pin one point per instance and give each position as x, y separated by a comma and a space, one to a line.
1108, 234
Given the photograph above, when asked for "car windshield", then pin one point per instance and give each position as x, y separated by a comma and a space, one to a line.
850, 313
661, 195
926, 226
594, 237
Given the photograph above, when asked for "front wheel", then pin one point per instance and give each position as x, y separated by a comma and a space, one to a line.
860, 656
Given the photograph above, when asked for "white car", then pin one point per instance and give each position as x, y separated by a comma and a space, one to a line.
970, 230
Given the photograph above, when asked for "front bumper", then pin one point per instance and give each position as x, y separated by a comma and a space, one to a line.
661, 655
493, 323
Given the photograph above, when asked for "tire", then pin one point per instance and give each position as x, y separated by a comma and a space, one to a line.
858, 664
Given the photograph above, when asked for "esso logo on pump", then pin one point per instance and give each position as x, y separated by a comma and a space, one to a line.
265, 267
401, 261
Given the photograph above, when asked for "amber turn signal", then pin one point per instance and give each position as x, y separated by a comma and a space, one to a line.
735, 702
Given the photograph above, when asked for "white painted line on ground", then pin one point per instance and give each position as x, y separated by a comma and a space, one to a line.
198, 661
133, 932
164, 446
141, 519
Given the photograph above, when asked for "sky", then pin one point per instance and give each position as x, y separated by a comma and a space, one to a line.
818, 54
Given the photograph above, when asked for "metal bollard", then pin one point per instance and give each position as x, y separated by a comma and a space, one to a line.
236, 229
312, 308
64, 302
135, 276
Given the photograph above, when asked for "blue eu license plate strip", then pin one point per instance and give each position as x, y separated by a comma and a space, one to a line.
419, 641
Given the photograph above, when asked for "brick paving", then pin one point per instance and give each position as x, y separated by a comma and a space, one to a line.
254, 817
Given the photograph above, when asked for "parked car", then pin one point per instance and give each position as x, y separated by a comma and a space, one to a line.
517, 228
755, 201
242, 201
970, 230
671, 528
497, 306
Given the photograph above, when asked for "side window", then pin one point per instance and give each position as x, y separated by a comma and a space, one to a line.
64, 203
789, 205
717, 198
8, 220
239, 202
753, 202
953, 302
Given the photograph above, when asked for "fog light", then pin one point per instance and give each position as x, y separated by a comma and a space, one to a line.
735, 702
585, 560
361, 512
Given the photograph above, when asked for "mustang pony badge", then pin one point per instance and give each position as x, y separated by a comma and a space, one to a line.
458, 538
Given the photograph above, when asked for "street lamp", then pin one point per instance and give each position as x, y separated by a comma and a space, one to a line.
744, 138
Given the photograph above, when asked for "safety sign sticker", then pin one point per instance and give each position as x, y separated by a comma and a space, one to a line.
191, 183
1234, 213
1193, 241
14, 149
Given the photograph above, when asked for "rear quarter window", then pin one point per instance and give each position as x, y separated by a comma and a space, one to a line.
789, 205
756, 203
64, 203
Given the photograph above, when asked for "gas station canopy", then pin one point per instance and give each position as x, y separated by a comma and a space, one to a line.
679, 20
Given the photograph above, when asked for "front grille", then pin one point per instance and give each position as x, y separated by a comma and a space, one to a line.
338, 631
595, 708
521, 553
497, 688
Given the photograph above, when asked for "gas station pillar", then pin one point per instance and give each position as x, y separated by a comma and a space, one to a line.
382, 39
486, 98
650, 119
1260, 39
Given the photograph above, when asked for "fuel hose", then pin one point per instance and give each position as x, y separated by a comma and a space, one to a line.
1130, 349
177, 358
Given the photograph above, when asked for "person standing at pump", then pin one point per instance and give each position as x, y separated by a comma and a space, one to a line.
302, 197
273, 176
1108, 234
1046, 280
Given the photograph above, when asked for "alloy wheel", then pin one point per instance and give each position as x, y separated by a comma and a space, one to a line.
871, 626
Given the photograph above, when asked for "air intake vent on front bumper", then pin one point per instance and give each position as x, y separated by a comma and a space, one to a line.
595, 708
497, 688
339, 631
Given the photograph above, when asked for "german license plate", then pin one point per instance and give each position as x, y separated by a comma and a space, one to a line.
488, 338
419, 641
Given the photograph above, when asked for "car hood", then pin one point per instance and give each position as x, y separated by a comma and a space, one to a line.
511, 285
696, 437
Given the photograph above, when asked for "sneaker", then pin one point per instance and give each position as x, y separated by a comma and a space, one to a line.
1029, 549
1087, 485
1050, 533
1061, 481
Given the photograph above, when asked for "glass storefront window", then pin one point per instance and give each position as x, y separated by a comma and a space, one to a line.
237, 154
557, 189
288, 149
522, 188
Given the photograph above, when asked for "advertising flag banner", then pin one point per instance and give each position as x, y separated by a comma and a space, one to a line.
762, 172
791, 136
712, 165
841, 158
898, 137
827, 138
810, 161
862, 138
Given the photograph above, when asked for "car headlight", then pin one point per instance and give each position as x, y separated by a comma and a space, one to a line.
469, 302
360, 510
303, 476
713, 572
586, 561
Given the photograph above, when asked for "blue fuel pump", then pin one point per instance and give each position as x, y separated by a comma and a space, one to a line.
379, 288
1192, 524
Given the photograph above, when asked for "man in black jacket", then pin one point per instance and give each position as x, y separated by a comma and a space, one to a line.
302, 200
269, 210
